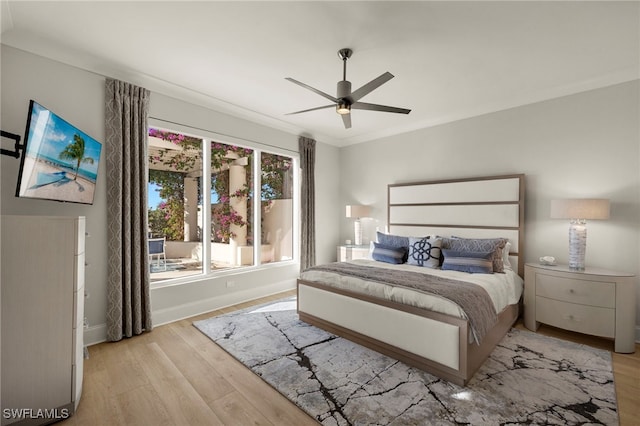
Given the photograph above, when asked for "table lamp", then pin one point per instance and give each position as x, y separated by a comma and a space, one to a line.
578, 210
357, 212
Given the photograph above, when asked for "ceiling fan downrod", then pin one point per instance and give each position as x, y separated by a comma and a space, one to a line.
344, 54
343, 90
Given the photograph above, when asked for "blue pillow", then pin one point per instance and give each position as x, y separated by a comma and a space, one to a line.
474, 262
388, 254
394, 241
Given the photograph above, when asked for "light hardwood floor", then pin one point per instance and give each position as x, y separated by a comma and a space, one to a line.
176, 376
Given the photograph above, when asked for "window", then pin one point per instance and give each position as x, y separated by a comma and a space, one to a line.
277, 207
182, 183
231, 206
175, 172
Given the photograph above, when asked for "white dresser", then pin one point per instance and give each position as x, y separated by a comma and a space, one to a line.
42, 268
594, 301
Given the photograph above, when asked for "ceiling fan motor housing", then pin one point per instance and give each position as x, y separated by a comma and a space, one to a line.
344, 89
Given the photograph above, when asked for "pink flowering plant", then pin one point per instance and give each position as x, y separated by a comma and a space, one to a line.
225, 216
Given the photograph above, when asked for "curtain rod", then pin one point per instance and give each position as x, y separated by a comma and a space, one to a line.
223, 134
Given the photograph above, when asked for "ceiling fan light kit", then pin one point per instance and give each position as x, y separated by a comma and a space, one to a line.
345, 99
343, 108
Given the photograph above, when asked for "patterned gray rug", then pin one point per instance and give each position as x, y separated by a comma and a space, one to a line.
528, 379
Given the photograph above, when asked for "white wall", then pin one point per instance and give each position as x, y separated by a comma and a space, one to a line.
328, 208
79, 97
585, 145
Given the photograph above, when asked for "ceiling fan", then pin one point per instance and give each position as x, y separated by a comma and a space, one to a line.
345, 100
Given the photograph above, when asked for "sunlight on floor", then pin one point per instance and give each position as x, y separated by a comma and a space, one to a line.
285, 305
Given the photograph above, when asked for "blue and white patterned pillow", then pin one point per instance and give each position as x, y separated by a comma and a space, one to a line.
424, 252
388, 254
474, 262
493, 245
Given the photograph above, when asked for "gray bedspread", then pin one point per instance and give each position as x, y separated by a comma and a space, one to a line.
473, 299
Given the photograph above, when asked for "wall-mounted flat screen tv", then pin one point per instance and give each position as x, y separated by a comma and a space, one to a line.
60, 162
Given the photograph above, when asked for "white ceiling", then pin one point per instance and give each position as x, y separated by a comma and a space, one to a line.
451, 60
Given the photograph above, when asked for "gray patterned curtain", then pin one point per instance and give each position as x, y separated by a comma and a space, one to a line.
128, 301
307, 149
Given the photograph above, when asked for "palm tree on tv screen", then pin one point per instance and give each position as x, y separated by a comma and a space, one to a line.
75, 151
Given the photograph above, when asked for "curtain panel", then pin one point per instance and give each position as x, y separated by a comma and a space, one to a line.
307, 148
128, 299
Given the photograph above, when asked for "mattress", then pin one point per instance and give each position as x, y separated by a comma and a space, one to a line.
503, 288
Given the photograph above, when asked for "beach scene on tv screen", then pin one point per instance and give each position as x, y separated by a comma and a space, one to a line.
61, 161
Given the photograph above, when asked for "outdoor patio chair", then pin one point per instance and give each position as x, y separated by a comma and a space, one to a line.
156, 249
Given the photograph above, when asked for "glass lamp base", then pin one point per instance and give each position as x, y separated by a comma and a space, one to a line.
577, 245
357, 228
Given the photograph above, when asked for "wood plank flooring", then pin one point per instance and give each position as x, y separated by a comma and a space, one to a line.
177, 376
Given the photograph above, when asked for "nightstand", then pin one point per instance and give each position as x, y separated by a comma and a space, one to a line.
350, 252
594, 301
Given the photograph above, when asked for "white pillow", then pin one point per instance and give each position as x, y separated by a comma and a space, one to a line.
505, 256
424, 252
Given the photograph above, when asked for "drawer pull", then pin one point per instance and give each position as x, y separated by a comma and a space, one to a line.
572, 291
572, 318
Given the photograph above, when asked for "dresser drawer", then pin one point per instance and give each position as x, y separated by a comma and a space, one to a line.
592, 293
583, 319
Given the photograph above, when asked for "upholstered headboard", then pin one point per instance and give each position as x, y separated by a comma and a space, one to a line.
483, 207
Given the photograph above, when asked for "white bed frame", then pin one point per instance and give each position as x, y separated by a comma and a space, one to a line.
437, 343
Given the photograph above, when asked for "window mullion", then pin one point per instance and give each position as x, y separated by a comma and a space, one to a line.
257, 207
206, 206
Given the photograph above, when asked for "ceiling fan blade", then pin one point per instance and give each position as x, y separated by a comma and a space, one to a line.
311, 109
346, 119
314, 90
376, 107
370, 87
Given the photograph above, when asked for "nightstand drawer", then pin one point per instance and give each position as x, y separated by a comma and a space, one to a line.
592, 293
583, 319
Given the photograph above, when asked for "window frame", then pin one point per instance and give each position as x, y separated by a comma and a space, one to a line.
258, 148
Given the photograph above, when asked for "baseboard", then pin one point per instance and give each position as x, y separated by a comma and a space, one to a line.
98, 333
186, 310
95, 334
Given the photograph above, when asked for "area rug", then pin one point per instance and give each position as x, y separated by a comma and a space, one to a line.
528, 379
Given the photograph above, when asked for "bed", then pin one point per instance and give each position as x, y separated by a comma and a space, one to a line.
366, 302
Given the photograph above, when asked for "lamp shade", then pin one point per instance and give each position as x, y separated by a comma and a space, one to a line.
357, 211
580, 208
